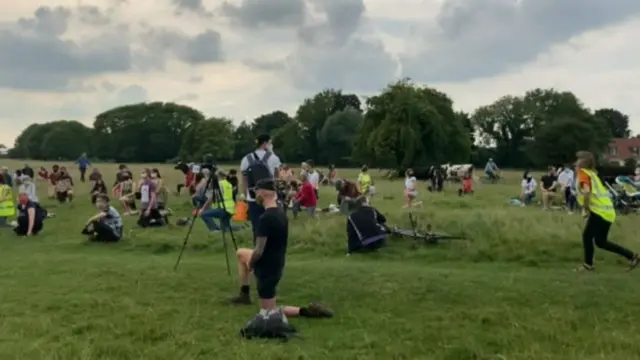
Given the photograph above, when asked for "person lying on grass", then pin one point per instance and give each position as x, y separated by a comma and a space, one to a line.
267, 259
365, 228
105, 226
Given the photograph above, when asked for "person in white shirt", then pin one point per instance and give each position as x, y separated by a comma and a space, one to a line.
273, 163
410, 190
566, 179
528, 189
313, 176
28, 186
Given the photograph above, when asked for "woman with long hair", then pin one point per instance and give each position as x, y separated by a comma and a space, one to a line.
598, 209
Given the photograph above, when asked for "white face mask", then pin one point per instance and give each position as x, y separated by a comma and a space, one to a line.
270, 147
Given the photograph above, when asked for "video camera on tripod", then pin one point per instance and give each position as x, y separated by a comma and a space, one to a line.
212, 187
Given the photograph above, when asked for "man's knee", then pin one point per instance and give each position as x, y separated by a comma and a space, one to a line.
244, 255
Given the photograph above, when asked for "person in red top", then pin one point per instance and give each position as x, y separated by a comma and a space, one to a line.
467, 185
306, 198
43, 173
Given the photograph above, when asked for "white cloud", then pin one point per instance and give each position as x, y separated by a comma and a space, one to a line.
600, 66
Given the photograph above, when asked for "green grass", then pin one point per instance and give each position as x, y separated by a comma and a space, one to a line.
508, 293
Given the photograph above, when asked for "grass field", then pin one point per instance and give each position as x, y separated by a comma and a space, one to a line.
507, 294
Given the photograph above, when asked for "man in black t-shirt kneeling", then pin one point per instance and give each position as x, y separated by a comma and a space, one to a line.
267, 260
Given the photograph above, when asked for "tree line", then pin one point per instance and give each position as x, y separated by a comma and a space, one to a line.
406, 125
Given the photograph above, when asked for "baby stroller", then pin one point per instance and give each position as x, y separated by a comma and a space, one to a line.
621, 202
630, 189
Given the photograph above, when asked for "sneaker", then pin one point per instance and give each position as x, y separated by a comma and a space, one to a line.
584, 268
633, 263
319, 311
242, 299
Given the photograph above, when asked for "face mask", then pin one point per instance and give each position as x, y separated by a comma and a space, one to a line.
270, 147
144, 176
100, 205
154, 175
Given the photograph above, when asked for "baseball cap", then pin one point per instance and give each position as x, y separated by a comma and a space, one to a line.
266, 184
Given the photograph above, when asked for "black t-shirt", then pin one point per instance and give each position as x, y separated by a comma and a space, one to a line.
548, 180
274, 225
23, 211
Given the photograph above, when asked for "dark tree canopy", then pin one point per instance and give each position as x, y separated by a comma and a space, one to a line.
405, 125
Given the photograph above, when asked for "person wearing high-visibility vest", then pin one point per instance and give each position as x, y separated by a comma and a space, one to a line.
222, 209
598, 209
365, 184
7, 205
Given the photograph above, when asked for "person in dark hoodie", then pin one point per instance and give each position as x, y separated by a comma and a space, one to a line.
366, 228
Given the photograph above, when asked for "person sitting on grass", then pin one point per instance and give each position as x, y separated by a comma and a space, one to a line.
95, 176
267, 260
99, 188
43, 173
528, 192
223, 208
467, 184
549, 185
347, 193
365, 228
126, 194
30, 217
149, 215
28, 186
105, 226
64, 186
306, 198
7, 206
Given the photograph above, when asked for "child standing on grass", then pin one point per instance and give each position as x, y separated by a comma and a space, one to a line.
410, 190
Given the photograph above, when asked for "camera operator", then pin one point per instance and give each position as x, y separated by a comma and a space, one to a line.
213, 207
259, 164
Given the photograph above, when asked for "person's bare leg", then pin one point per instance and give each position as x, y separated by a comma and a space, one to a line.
244, 256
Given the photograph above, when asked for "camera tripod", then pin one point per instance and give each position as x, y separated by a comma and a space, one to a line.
213, 184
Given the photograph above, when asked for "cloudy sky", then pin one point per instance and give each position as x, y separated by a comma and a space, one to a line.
241, 58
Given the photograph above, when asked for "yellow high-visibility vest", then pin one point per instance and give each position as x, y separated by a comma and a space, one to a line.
7, 207
364, 180
227, 197
600, 200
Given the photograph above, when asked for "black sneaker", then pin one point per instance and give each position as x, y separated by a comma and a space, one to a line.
242, 299
633, 263
319, 311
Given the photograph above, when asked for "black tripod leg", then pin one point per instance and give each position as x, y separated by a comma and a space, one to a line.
184, 244
226, 252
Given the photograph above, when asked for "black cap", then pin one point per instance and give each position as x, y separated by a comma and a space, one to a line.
263, 139
266, 184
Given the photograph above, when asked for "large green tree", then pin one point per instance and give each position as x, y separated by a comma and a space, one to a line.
146, 132
338, 135
213, 136
408, 125
617, 123
270, 123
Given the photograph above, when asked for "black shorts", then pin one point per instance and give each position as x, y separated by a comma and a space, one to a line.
267, 281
